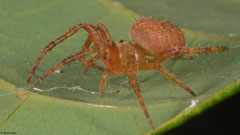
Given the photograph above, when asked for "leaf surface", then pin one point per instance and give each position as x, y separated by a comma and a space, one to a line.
71, 103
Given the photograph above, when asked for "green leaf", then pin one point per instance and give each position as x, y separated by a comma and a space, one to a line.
71, 103
211, 16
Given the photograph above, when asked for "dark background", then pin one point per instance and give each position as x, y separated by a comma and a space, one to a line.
223, 119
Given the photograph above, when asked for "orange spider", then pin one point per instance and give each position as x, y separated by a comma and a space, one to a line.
158, 38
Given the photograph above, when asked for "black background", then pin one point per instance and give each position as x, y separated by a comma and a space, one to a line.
222, 119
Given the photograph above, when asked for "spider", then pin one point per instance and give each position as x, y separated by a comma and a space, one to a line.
153, 37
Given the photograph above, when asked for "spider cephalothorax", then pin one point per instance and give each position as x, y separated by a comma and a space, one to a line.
158, 38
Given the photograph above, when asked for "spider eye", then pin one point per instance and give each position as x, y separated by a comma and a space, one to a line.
121, 41
106, 56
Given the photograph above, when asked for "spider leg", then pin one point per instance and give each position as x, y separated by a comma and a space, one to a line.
192, 51
104, 32
106, 37
132, 69
87, 43
83, 60
95, 37
64, 62
114, 53
173, 78
91, 63
152, 66
104, 81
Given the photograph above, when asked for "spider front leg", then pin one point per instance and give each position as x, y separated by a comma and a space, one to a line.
107, 40
66, 61
104, 32
132, 69
95, 37
90, 62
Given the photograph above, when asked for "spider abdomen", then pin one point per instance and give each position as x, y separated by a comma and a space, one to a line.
157, 37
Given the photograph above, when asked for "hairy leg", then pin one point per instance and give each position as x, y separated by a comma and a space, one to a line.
65, 62
103, 82
192, 51
91, 63
153, 66
95, 37
87, 43
108, 41
132, 69
104, 32
173, 78
83, 60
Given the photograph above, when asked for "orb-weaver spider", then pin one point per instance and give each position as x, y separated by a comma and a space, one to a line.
158, 38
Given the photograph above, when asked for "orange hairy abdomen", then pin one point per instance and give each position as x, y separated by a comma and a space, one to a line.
157, 37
